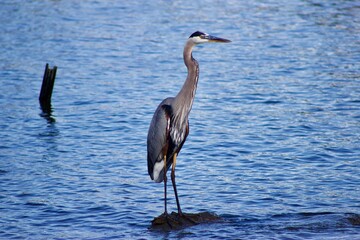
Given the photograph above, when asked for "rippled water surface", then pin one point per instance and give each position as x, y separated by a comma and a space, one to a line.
274, 144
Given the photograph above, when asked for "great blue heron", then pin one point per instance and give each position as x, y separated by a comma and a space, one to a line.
169, 126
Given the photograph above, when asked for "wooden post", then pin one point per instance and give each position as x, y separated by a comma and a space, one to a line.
47, 85
47, 88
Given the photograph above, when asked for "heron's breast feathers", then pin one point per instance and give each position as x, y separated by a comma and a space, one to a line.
178, 133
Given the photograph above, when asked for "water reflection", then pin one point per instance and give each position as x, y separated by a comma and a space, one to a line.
46, 113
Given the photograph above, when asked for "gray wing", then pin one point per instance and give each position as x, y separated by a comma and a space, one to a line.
157, 139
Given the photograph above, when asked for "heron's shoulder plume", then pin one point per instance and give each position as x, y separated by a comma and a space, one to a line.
197, 34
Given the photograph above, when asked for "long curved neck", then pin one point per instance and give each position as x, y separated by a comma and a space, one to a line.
184, 99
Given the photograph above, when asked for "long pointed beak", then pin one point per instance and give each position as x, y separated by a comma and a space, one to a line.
217, 39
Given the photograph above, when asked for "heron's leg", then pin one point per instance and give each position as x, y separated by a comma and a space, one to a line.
176, 195
167, 216
174, 184
165, 180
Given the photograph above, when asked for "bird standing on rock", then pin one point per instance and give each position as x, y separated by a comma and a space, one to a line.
169, 126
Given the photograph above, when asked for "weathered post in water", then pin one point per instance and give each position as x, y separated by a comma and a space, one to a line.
47, 88
47, 85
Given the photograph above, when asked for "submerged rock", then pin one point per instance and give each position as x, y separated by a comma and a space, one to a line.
354, 219
174, 221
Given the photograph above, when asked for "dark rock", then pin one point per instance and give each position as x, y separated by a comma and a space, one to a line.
174, 221
354, 219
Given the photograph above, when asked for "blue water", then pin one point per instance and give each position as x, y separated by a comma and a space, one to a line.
274, 144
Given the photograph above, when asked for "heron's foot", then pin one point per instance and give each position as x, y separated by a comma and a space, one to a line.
174, 221
168, 219
187, 218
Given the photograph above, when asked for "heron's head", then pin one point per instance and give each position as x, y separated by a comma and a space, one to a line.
200, 37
